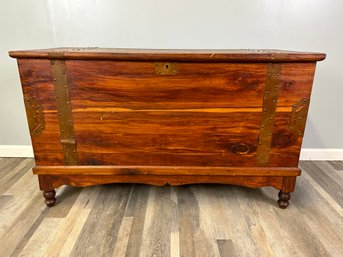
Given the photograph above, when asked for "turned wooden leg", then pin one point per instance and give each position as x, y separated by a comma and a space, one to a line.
288, 185
46, 185
283, 199
50, 199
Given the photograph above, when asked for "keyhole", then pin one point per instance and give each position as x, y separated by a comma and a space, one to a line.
167, 66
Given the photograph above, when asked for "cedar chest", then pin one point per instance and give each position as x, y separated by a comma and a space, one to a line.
166, 116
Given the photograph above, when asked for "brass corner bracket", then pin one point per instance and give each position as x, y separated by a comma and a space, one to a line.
35, 117
298, 117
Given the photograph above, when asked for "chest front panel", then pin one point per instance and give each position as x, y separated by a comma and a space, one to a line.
173, 114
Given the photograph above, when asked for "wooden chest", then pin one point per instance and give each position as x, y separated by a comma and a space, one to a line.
166, 116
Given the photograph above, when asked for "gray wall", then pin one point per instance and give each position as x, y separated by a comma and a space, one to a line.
310, 25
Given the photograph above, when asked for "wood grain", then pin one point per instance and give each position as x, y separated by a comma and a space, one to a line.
156, 231
325, 181
13, 171
226, 248
72, 223
133, 247
204, 55
165, 170
320, 220
37, 82
41, 238
197, 220
123, 237
135, 85
20, 215
337, 165
103, 221
180, 138
141, 125
90, 180
166, 139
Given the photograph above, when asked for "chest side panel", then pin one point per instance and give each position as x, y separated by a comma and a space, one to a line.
37, 84
295, 91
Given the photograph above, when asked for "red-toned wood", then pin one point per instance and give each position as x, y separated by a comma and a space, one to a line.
45, 182
167, 170
110, 92
163, 138
199, 124
284, 195
135, 85
36, 80
166, 138
285, 149
47, 186
288, 184
283, 199
200, 55
50, 199
90, 180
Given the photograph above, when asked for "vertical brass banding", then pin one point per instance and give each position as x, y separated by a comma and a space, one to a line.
64, 111
270, 98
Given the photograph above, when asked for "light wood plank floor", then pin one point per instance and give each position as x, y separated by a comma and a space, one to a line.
196, 220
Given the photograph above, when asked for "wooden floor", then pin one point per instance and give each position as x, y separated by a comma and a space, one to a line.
197, 220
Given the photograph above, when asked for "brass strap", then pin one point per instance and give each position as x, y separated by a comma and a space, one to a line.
65, 118
270, 98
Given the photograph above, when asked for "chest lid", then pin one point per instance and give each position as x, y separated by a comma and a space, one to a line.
180, 55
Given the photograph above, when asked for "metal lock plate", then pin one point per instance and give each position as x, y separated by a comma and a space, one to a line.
166, 68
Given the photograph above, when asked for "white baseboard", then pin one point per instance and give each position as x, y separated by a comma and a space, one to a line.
321, 154
16, 151
306, 153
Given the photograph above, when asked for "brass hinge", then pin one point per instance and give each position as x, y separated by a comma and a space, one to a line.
166, 68
298, 118
64, 111
270, 97
35, 117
